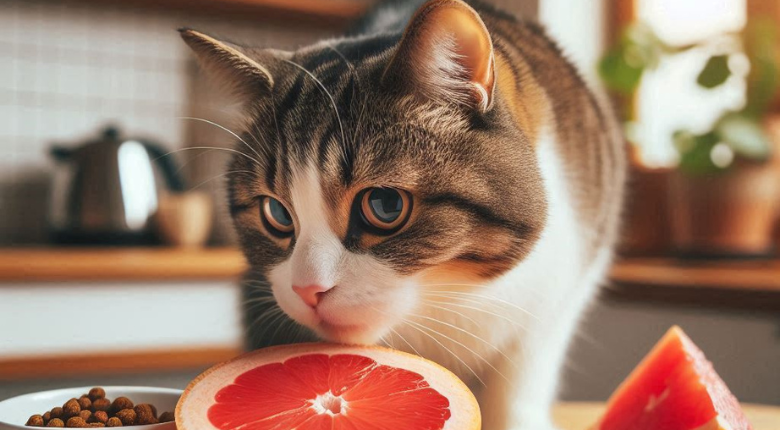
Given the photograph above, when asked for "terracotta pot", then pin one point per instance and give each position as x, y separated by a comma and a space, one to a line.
646, 224
727, 214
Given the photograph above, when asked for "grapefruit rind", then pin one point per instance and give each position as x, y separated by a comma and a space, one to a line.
192, 409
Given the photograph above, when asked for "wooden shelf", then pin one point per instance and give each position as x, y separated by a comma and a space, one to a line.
100, 363
118, 264
753, 275
326, 13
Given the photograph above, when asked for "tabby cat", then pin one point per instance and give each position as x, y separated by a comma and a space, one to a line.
440, 180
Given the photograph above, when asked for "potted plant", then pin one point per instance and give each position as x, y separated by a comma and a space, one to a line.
724, 194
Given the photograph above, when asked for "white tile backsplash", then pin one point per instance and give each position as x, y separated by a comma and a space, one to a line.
68, 68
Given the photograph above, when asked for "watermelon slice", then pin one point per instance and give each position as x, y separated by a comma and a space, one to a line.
673, 388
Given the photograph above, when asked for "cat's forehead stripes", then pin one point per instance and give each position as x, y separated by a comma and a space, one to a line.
479, 205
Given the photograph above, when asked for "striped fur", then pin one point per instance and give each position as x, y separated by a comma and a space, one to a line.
515, 201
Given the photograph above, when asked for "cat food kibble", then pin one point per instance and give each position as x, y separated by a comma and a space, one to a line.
121, 403
95, 410
127, 416
101, 404
145, 414
71, 408
100, 417
56, 412
166, 417
77, 422
114, 422
55, 422
85, 402
96, 393
35, 421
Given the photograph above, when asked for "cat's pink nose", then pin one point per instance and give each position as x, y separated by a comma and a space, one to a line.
311, 294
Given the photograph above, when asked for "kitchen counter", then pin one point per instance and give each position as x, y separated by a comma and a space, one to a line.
119, 264
582, 415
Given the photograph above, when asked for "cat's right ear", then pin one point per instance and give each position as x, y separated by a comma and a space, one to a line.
230, 64
446, 54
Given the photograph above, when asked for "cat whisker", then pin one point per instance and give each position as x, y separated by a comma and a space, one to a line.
254, 282
322, 86
272, 321
406, 342
414, 325
497, 315
485, 297
284, 323
212, 148
229, 131
222, 175
476, 286
464, 346
267, 314
360, 85
268, 299
429, 303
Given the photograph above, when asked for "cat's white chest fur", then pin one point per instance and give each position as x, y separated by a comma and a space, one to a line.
511, 335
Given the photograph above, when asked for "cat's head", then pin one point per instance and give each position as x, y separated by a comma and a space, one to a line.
375, 170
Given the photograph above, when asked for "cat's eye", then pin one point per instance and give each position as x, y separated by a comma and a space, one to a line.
386, 209
276, 217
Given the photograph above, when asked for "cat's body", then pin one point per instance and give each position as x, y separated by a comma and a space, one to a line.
506, 179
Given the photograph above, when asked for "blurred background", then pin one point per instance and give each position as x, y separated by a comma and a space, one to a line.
117, 260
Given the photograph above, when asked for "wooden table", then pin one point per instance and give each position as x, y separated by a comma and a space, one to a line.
581, 415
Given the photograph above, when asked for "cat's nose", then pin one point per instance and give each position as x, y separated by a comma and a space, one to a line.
311, 294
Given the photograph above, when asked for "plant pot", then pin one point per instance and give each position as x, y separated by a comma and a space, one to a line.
725, 215
646, 225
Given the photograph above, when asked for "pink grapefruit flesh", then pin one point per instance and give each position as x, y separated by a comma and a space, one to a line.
673, 388
327, 387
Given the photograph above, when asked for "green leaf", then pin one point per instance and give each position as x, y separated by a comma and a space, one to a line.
617, 74
762, 82
715, 73
696, 159
744, 135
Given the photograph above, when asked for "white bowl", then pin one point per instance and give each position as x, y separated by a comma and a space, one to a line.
15, 411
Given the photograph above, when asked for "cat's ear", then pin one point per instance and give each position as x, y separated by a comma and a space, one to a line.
231, 65
447, 53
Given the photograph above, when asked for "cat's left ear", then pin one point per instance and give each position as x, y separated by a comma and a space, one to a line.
447, 54
235, 67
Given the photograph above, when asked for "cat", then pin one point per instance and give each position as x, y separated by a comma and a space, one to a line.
440, 180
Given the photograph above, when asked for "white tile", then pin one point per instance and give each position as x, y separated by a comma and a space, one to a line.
26, 21
7, 72
72, 79
26, 121
71, 124
146, 86
123, 84
24, 75
8, 19
46, 77
72, 24
8, 116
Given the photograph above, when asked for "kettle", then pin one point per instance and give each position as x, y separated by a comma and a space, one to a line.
106, 191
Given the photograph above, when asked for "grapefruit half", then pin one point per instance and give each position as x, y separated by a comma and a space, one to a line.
673, 388
323, 386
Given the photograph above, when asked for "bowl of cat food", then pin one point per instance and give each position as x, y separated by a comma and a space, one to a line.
142, 408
